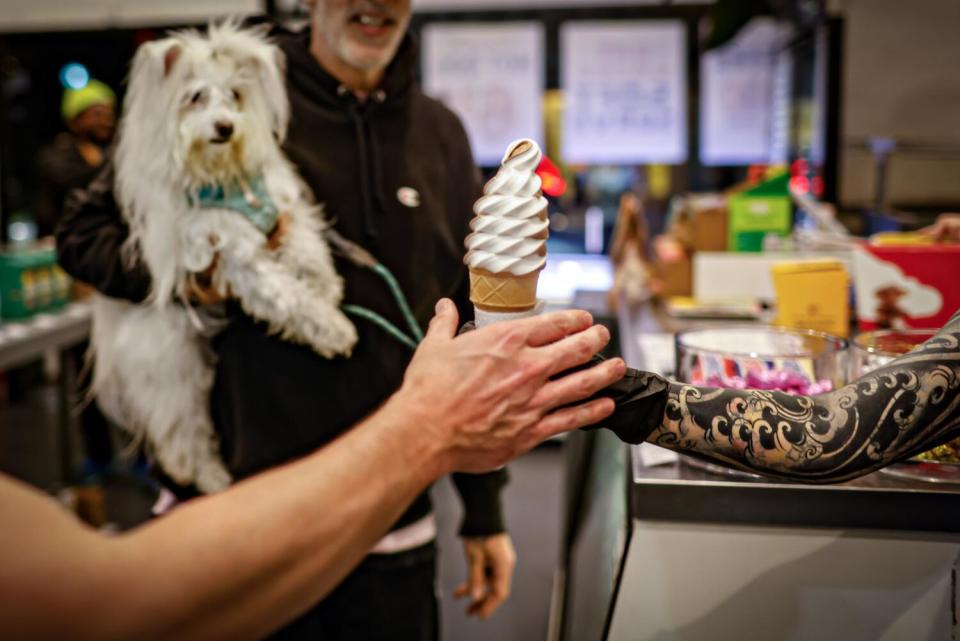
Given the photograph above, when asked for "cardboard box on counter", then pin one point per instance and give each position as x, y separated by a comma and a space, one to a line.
725, 276
759, 211
813, 294
701, 222
903, 286
673, 267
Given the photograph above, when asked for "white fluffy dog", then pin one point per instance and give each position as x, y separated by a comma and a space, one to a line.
200, 180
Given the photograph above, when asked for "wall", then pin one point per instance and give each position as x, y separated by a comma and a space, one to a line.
53, 15
462, 5
902, 79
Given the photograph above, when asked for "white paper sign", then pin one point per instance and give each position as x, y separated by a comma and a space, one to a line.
737, 96
492, 76
625, 84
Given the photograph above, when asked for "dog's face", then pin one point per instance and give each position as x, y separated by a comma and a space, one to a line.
210, 106
213, 119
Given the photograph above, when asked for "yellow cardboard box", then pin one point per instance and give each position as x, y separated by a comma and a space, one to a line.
813, 294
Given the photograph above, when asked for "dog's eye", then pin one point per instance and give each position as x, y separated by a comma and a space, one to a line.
236, 95
195, 98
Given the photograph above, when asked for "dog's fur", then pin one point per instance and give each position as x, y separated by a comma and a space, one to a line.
153, 369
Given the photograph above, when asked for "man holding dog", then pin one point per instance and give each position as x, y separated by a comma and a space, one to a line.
394, 170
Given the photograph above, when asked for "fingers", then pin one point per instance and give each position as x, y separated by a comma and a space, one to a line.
572, 418
947, 228
444, 323
579, 385
474, 586
275, 239
501, 577
938, 231
547, 328
576, 349
202, 293
490, 565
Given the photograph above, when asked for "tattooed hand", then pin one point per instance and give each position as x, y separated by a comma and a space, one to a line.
906, 407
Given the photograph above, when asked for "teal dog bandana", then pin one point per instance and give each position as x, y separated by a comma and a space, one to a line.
250, 200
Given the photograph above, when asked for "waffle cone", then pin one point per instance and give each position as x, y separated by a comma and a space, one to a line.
503, 292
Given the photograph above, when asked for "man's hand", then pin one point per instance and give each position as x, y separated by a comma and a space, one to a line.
490, 563
945, 230
199, 287
487, 396
275, 239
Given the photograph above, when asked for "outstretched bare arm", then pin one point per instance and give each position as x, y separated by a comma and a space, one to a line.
238, 564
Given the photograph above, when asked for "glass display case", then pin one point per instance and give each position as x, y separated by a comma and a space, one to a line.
769, 358
871, 350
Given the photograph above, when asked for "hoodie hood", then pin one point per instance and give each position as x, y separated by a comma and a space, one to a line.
316, 83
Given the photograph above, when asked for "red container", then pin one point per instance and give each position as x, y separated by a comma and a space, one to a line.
910, 286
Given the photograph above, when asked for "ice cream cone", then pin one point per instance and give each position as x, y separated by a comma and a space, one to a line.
504, 292
507, 248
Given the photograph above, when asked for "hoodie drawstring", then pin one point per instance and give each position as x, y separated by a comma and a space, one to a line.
369, 224
375, 159
371, 168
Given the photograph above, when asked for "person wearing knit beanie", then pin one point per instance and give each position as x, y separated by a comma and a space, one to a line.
89, 113
75, 156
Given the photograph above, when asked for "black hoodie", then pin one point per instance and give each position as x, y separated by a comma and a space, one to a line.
395, 175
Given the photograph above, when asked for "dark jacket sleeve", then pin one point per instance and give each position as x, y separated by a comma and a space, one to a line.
481, 493
90, 237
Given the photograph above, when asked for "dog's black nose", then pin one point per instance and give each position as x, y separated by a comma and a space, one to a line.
224, 129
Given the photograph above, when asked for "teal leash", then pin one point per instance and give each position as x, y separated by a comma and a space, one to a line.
381, 322
362, 258
386, 275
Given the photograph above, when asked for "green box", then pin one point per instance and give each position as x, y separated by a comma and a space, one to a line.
31, 283
757, 212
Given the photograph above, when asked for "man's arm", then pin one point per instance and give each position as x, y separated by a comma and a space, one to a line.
238, 564
90, 239
906, 407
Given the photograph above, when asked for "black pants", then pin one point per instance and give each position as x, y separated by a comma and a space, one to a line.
93, 424
389, 597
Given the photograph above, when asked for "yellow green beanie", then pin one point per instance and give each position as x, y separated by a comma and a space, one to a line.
75, 101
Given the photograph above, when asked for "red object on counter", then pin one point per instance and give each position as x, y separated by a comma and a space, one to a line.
553, 182
909, 286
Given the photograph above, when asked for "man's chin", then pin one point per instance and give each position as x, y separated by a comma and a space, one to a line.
368, 58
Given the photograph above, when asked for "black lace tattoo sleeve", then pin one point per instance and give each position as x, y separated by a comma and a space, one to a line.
906, 407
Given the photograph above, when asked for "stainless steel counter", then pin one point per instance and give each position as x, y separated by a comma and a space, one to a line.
22, 342
681, 493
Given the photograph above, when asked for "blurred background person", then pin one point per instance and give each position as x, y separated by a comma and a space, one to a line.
76, 155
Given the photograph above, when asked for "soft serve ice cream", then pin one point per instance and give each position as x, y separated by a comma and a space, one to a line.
507, 248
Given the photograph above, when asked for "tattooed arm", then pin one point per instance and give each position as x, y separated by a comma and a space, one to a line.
906, 407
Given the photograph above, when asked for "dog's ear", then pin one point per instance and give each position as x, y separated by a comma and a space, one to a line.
170, 57
269, 66
156, 59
